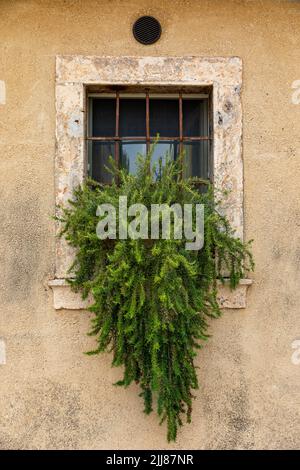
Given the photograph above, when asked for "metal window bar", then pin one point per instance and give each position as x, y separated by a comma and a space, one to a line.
176, 139
147, 121
117, 146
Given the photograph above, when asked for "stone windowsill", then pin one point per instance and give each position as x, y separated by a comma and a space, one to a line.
65, 298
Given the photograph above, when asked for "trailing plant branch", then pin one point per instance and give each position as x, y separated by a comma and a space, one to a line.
152, 299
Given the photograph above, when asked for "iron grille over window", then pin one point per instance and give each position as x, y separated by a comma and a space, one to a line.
122, 125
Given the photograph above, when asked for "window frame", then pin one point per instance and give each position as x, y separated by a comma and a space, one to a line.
76, 73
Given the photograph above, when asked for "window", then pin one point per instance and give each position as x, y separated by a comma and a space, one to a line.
78, 77
124, 124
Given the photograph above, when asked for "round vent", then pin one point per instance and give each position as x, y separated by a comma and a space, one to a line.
146, 30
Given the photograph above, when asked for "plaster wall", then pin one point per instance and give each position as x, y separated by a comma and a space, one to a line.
52, 395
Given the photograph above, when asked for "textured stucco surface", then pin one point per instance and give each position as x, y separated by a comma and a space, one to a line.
53, 396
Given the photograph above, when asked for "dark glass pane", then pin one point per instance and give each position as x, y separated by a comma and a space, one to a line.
128, 154
196, 159
103, 117
164, 117
132, 117
195, 118
163, 150
99, 153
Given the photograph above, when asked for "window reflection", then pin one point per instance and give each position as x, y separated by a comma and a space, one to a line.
99, 160
196, 159
128, 155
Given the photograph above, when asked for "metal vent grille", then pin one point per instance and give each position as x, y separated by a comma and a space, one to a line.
147, 30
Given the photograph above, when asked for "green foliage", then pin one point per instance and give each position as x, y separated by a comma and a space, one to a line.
153, 298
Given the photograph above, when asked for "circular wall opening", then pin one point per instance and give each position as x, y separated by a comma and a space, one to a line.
147, 30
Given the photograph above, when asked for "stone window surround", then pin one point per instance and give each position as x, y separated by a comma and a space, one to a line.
74, 73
